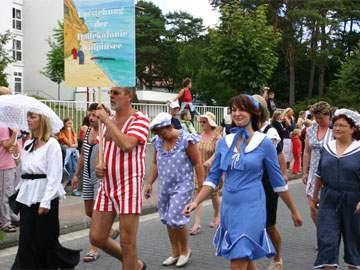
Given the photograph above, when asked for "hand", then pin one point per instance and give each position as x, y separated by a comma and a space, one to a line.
101, 114
100, 170
313, 203
297, 219
14, 149
189, 208
43, 211
286, 178
357, 210
74, 182
207, 164
305, 178
147, 191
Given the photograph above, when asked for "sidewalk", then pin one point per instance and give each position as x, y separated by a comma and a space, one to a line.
72, 216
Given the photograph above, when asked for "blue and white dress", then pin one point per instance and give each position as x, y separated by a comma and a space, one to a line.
242, 233
176, 179
339, 196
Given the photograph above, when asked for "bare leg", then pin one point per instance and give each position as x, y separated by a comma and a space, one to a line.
216, 205
241, 264
182, 239
275, 237
89, 205
99, 233
313, 212
173, 240
252, 266
128, 230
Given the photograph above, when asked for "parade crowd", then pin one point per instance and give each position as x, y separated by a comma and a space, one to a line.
241, 165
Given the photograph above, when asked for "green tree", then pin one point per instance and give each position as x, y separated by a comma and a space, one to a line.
5, 57
243, 48
345, 91
54, 68
150, 29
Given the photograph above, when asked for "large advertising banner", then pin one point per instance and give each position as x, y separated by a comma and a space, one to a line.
99, 43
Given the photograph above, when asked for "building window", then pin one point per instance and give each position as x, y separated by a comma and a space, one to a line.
16, 16
17, 51
17, 82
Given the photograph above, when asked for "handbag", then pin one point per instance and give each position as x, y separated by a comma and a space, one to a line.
14, 204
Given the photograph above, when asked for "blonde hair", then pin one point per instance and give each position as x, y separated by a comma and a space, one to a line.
295, 132
276, 115
44, 127
307, 123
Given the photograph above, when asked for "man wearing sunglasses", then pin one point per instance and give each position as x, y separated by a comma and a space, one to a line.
122, 169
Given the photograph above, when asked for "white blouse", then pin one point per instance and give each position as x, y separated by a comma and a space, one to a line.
45, 160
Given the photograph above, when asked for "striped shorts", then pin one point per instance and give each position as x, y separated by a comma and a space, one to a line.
121, 200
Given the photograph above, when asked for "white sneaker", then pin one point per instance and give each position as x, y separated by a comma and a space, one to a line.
275, 265
170, 261
183, 259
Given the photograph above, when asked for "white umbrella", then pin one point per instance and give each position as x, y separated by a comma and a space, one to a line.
14, 109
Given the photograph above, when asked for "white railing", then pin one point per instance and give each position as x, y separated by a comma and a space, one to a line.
76, 110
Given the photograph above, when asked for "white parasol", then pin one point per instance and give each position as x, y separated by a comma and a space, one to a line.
14, 109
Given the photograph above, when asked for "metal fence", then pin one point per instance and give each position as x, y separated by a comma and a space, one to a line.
76, 110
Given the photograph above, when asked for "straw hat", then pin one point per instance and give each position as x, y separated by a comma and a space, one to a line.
210, 117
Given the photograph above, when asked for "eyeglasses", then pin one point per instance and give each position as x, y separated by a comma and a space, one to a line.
340, 126
113, 92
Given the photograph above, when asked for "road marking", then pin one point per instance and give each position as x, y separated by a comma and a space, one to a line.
84, 233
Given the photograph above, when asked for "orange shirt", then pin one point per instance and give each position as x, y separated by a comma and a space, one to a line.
66, 136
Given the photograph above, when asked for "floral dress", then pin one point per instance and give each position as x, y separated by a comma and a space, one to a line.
176, 174
315, 146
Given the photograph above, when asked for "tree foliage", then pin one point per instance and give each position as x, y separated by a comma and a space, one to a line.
54, 68
5, 58
243, 48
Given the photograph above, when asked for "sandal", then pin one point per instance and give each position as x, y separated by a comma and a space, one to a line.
115, 234
91, 256
195, 230
214, 224
9, 229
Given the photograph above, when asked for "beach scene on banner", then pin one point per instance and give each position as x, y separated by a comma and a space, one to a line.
99, 43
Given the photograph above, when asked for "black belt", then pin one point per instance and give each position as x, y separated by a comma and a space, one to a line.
30, 176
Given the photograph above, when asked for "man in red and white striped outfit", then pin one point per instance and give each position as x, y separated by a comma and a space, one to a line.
122, 172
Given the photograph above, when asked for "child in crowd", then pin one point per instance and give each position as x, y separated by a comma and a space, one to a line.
296, 149
185, 120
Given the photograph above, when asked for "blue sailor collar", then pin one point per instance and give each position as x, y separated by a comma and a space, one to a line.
255, 141
352, 148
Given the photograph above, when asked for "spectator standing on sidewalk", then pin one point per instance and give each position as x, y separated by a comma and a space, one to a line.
317, 135
297, 150
271, 196
39, 192
242, 157
289, 124
338, 179
87, 165
175, 157
174, 111
122, 173
67, 139
7, 172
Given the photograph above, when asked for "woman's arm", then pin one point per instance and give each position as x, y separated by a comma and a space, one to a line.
194, 155
306, 160
153, 174
295, 215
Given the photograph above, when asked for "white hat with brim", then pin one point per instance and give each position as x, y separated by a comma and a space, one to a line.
210, 118
161, 120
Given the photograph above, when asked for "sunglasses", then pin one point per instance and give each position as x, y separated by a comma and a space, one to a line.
113, 92
203, 121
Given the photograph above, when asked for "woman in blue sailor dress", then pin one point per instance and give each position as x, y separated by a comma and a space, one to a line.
243, 156
338, 178
175, 157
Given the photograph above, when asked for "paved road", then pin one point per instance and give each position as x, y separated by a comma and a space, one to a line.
153, 245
